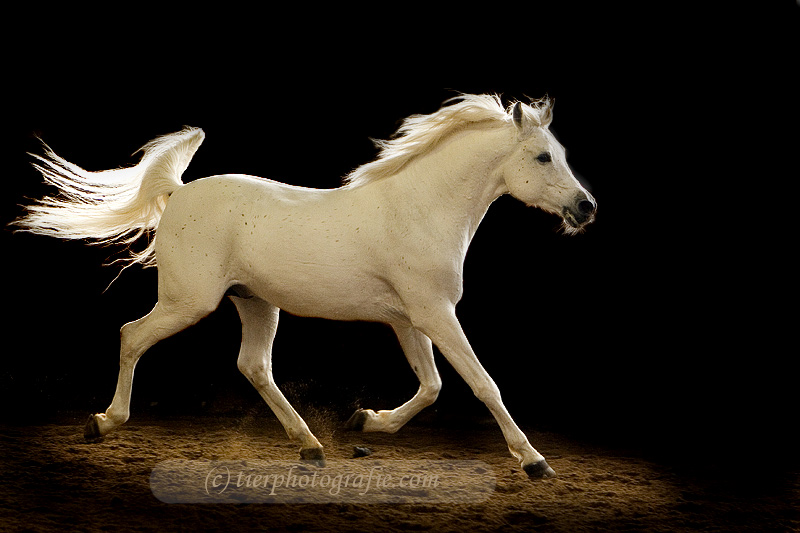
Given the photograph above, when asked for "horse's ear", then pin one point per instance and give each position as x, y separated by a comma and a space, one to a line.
516, 115
547, 111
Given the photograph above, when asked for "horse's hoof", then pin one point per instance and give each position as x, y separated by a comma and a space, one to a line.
357, 421
91, 432
315, 456
361, 451
539, 470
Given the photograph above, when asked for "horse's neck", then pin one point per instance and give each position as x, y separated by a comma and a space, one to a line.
455, 184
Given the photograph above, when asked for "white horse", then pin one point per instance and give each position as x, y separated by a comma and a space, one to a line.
388, 246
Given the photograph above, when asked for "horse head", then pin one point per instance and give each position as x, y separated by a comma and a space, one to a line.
537, 172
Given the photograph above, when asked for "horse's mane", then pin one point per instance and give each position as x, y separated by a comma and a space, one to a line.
421, 133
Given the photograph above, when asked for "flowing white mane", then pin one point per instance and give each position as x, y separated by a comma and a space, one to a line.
421, 133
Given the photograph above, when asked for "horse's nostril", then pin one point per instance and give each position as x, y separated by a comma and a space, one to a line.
586, 207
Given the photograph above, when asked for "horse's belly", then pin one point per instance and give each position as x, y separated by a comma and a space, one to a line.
327, 291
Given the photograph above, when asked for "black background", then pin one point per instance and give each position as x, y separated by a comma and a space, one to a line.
664, 326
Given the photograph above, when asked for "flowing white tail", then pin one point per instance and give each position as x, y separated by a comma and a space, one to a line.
112, 206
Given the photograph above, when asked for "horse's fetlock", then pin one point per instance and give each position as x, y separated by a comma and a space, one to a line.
117, 418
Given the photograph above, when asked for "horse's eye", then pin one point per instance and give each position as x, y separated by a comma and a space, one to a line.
544, 157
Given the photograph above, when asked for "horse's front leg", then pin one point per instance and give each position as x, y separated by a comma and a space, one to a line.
445, 331
419, 352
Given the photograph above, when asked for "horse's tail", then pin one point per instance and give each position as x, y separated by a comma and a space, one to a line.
112, 206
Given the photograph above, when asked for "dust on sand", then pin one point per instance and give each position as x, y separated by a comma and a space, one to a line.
53, 480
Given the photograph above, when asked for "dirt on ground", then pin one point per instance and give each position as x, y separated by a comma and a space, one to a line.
53, 480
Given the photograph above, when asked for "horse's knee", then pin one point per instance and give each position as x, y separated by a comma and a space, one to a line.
487, 392
246, 367
429, 392
255, 371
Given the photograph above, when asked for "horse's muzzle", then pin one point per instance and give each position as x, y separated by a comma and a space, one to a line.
581, 212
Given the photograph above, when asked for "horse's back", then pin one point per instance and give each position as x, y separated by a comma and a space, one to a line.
225, 217
300, 249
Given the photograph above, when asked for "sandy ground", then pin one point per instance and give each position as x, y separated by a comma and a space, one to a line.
54, 481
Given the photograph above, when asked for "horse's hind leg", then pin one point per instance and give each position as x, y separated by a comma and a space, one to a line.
419, 352
135, 338
259, 324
